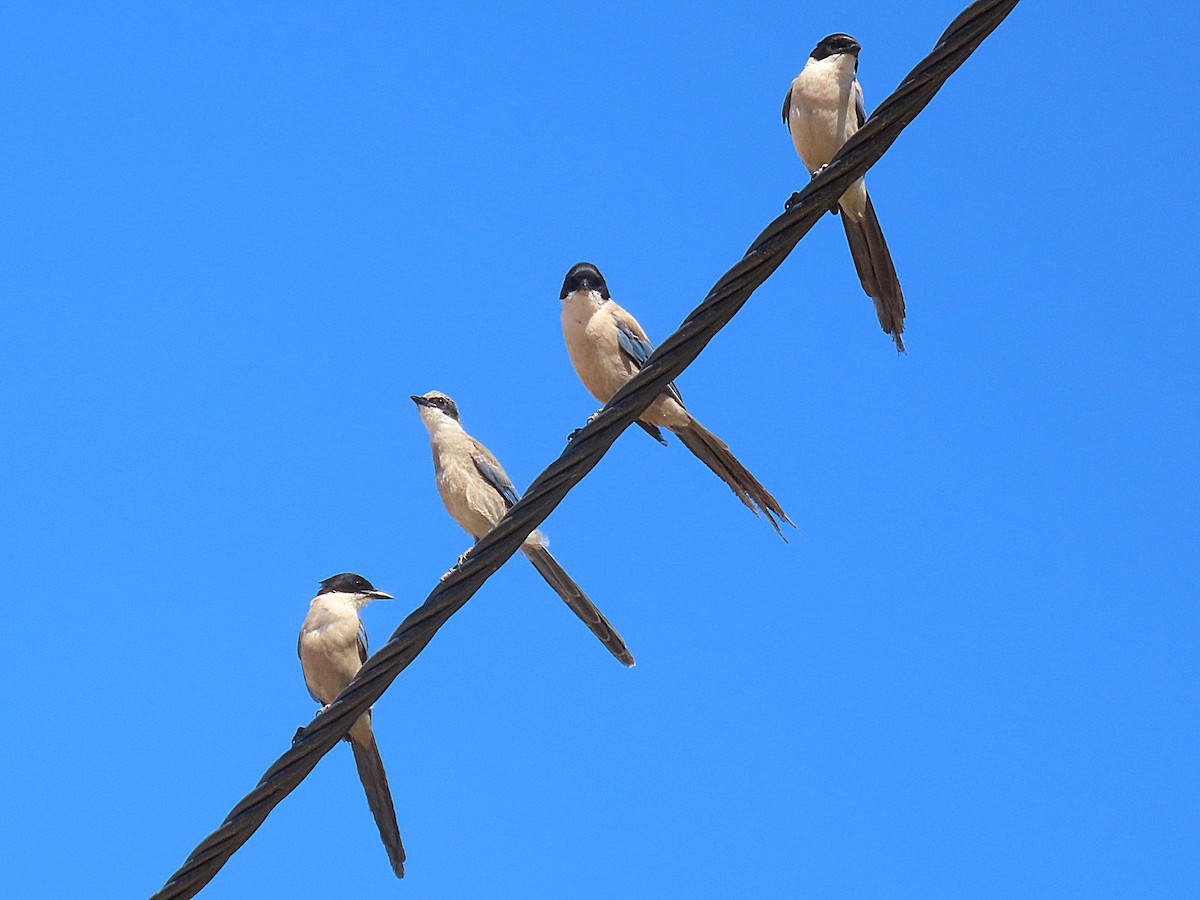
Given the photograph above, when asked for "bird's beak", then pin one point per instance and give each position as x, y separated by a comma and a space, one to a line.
379, 595
584, 286
420, 401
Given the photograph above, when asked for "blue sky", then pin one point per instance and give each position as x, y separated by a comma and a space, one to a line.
239, 235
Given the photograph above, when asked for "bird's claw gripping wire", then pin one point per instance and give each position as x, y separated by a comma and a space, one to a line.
300, 731
462, 558
590, 420
795, 198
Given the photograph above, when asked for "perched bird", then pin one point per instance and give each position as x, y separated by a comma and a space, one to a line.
823, 108
333, 647
607, 347
477, 493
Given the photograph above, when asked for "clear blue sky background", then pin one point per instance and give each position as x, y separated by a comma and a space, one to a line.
237, 236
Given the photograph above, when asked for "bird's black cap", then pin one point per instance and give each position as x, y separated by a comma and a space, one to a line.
835, 44
584, 276
348, 583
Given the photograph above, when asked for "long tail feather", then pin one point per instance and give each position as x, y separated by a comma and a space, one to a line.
379, 796
876, 271
715, 454
572, 595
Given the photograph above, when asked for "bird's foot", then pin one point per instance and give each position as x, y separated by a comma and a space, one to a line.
590, 420
795, 198
462, 558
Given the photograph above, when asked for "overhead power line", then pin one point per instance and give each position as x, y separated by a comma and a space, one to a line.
590, 444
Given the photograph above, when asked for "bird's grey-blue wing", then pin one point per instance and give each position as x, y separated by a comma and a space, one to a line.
638, 349
496, 477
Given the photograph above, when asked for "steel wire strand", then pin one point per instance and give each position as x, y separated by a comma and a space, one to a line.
582, 454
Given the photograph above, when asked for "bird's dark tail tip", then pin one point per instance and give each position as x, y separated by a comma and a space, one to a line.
715, 454
877, 272
579, 602
379, 798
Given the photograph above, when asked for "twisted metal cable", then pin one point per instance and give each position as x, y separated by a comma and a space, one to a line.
582, 454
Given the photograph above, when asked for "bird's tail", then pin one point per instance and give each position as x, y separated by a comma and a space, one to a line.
715, 454
876, 271
379, 796
564, 585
